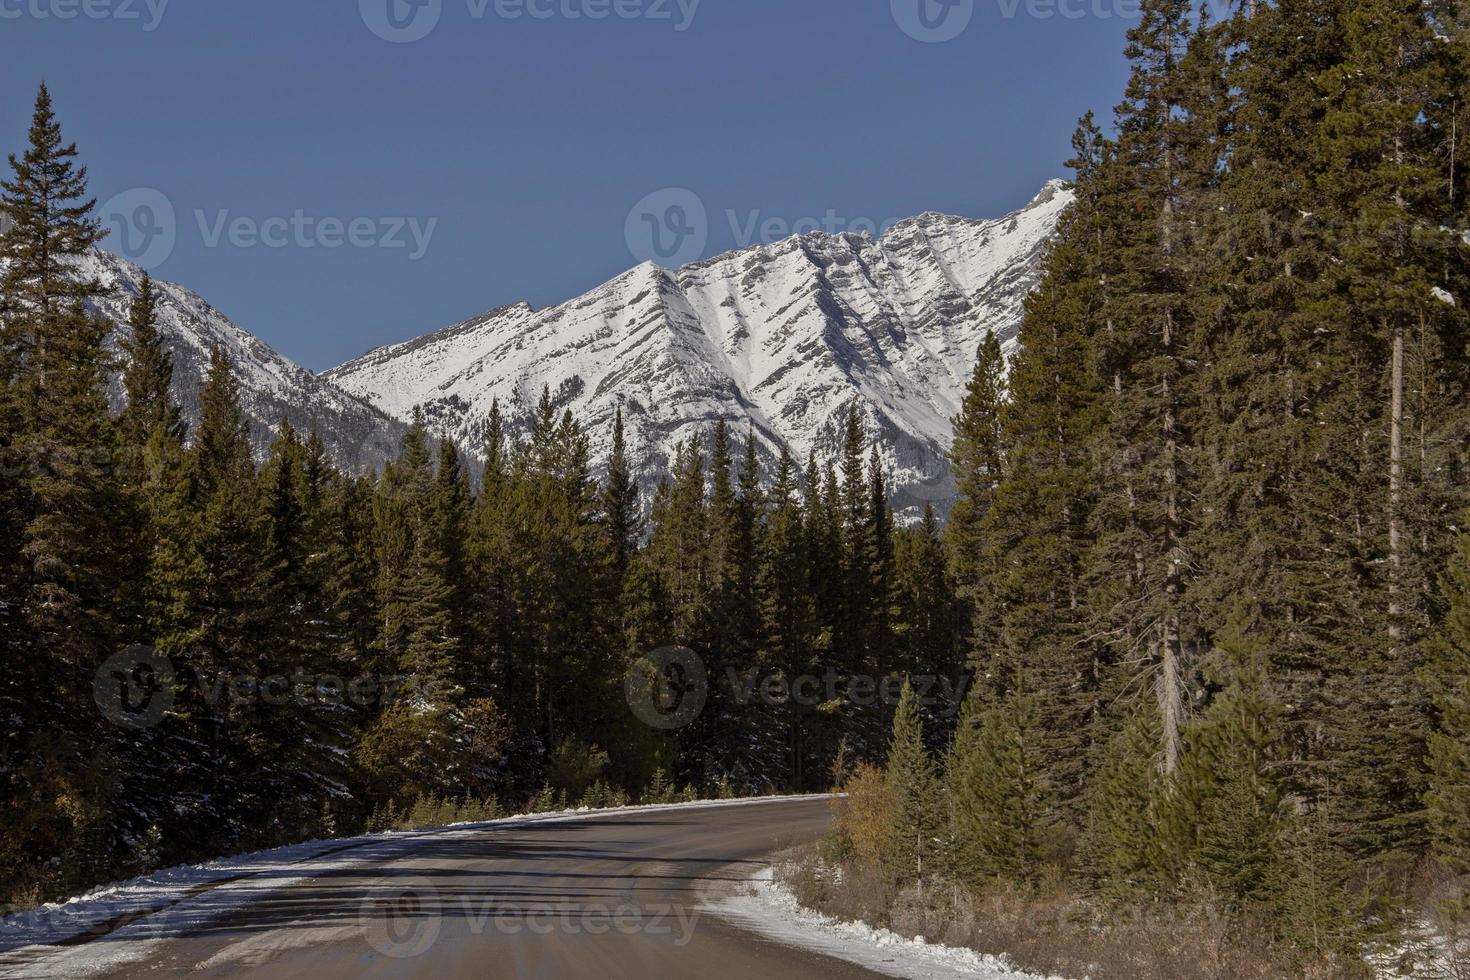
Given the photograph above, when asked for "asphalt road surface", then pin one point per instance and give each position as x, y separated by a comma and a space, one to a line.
606, 895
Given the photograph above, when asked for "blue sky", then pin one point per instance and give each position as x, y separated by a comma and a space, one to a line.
333, 190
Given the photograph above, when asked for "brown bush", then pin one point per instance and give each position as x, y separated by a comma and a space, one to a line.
1049, 928
863, 819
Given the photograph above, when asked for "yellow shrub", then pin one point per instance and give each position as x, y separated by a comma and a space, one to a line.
864, 818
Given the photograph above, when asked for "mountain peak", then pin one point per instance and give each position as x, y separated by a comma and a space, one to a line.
1048, 193
777, 338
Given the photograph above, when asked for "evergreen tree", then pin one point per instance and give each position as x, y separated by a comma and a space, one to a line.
976, 460
926, 628
61, 563
992, 778
147, 375
1447, 676
620, 502
914, 785
1122, 844
787, 607
1225, 815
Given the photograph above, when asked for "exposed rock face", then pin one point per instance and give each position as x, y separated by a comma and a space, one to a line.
358, 435
777, 339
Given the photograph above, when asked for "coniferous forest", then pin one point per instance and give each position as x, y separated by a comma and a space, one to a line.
208, 651
1205, 591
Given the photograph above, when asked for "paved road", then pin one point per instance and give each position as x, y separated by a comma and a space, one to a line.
609, 895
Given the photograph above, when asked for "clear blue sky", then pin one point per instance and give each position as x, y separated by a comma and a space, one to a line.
529, 139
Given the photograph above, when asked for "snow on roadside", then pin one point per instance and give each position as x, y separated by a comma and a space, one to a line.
769, 908
122, 922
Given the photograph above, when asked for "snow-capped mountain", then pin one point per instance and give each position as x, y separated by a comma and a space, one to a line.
777, 339
358, 436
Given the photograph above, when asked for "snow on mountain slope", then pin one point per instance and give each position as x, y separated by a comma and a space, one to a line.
356, 434
779, 339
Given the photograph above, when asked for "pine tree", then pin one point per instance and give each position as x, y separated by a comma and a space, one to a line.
1037, 602
1447, 677
60, 566
882, 585
147, 375
63, 435
993, 780
1147, 328
620, 502
1378, 171
788, 613
852, 627
51, 223
976, 461
1122, 844
914, 785
1225, 815
402, 495
926, 629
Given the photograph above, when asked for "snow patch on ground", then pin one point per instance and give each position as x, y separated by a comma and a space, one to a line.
769, 908
123, 922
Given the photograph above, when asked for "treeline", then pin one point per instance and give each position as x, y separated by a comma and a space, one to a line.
1213, 533
207, 652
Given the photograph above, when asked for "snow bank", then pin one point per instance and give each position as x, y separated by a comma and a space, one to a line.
769, 908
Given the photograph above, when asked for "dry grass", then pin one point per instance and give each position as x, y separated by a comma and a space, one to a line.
1051, 929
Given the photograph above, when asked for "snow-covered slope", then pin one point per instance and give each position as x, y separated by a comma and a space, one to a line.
779, 339
356, 434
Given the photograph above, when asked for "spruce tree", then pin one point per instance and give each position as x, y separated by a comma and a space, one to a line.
914, 788
787, 608
147, 375
1122, 847
926, 629
993, 780
61, 564
976, 461
1225, 815
1447, 677
620, 502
